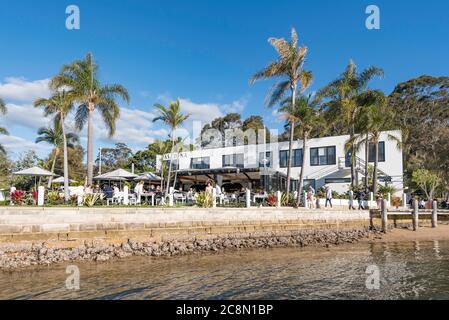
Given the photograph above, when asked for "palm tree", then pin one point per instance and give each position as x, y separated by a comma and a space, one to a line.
55, 136
81, 77
377, 116
173, 118
3, 111
343, 103
59, 104
160, 147
306, 116
289, 69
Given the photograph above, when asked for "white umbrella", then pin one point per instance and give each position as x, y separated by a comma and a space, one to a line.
61, 180
34, 172
149, 176
119, 174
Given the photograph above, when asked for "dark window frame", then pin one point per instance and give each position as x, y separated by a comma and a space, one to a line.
234, 162
371, 155
334, 162
296, 160
268, 155
202, 165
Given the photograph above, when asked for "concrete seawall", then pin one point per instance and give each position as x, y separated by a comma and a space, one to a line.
17, 224
43, 236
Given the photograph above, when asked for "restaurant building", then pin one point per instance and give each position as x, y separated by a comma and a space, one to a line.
264, 166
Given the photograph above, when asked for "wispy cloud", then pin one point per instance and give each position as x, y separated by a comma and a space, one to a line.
20, 89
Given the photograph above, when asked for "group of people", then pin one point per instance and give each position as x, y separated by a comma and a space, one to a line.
359, 196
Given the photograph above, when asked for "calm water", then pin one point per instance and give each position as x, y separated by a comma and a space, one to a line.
408, 271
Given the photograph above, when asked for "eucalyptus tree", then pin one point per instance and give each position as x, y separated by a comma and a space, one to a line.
3, 111
342, 103
56, 137
81, 79
377, 117
172, 117
59, 105
307, 118
288, 69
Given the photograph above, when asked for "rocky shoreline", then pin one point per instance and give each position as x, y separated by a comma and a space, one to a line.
21, 255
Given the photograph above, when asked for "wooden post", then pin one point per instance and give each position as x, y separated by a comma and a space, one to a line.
384, 216
126, 196
248, 198
278, 199
415, 215
435, 214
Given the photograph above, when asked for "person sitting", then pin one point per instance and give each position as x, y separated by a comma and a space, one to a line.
422, 204
108, 191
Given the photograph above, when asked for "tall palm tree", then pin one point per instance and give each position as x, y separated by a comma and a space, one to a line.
343, 104
306, 116
3, 111
55, 136
160, 147
81, 77
172, 117
377, 116
58, 105
289, 69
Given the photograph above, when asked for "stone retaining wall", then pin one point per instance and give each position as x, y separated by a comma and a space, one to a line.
17, 223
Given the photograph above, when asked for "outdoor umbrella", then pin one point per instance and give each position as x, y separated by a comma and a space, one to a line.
61, 180
116, 175
149, 176
34, 172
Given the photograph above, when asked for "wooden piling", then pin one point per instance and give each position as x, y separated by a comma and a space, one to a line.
434, 214
384, 216
415, 215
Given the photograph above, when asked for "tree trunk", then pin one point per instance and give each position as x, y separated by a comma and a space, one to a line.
376, 157
90, 147
353, 158
66, 163
53, 167
171, 160
366, 162
301, 177
292, 132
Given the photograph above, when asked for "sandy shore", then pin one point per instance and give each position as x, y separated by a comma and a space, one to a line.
424, 233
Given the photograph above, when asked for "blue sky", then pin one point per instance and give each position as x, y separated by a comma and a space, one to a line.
204, 52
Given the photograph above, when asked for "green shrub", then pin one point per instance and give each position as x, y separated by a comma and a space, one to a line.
91, 199
204, 200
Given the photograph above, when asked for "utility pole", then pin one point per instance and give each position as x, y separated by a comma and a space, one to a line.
99, 167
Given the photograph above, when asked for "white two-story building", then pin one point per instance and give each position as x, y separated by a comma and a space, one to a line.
264, 166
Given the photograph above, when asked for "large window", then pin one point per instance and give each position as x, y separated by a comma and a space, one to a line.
268, 157
372, 152
200, 163
296, 160
324, 156
233, 160
337, 180
174, 164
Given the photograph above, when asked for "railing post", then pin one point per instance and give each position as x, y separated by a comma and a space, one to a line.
434, 214
214, 198
248, 198
40, 196
306, 202
171, 199
125, 195
278, 199
415, 215
384, 216
404, 200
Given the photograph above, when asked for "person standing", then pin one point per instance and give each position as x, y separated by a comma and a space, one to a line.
360, 199
328, 196
351, 200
